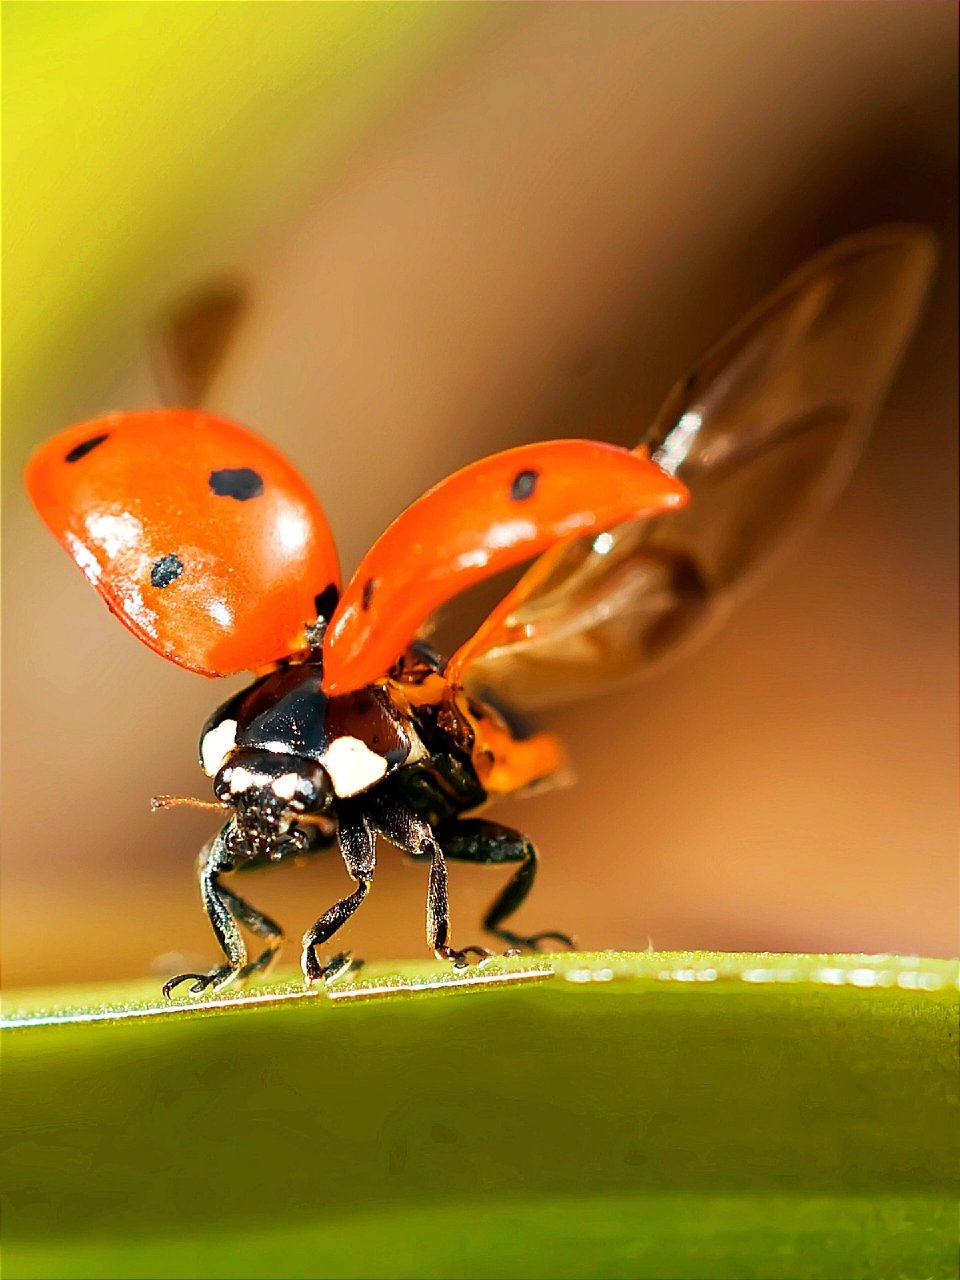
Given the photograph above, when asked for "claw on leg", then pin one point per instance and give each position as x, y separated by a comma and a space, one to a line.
330, 970
326, 926
216, 979
219, 904
461, 958
535, 941
263, 963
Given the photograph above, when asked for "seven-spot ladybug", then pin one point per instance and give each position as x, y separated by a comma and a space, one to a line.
210, 547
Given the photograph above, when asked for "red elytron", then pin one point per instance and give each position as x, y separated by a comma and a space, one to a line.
201, 537
208, 544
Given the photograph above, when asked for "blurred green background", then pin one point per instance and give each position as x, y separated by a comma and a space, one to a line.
461, 227
142, 141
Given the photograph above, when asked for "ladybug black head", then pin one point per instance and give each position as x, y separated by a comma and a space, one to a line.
268, 790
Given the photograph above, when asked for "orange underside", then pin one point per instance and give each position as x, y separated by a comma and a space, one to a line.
504, 764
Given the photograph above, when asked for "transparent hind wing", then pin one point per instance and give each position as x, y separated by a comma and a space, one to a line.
765, 433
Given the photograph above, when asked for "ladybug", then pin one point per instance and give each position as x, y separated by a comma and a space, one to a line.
211, 548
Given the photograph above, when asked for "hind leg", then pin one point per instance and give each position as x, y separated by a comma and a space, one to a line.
476, 840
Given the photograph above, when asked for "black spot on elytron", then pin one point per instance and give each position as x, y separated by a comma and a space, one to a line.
326, 601
84, 447
241, 483
524, 484
691, 381
369, 587
166, 570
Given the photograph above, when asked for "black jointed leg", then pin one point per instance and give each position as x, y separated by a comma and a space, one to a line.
399, 824
259, 924
215, 859
358, 845
475, 840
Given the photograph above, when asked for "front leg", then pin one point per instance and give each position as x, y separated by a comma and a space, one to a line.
215, 859
399, 824
358, 845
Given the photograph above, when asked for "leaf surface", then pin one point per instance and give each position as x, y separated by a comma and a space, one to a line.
655, 1115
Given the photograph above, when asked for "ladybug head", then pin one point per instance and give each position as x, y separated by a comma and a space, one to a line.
269, 791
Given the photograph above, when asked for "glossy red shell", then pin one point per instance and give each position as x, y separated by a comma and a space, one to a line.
484, 518
201, 537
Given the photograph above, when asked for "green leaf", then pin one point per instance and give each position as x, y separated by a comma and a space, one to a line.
661, 1115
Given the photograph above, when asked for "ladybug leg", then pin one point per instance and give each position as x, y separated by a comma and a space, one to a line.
399, 824
475, 840
215, 858
259, 924
358, 845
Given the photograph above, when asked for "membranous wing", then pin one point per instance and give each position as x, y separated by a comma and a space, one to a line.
765, 433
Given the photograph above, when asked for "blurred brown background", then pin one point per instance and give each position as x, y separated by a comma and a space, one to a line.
534, 236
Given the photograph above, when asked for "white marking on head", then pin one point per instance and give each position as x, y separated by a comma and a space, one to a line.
242, 779
352, 766
285, 787
217, 745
